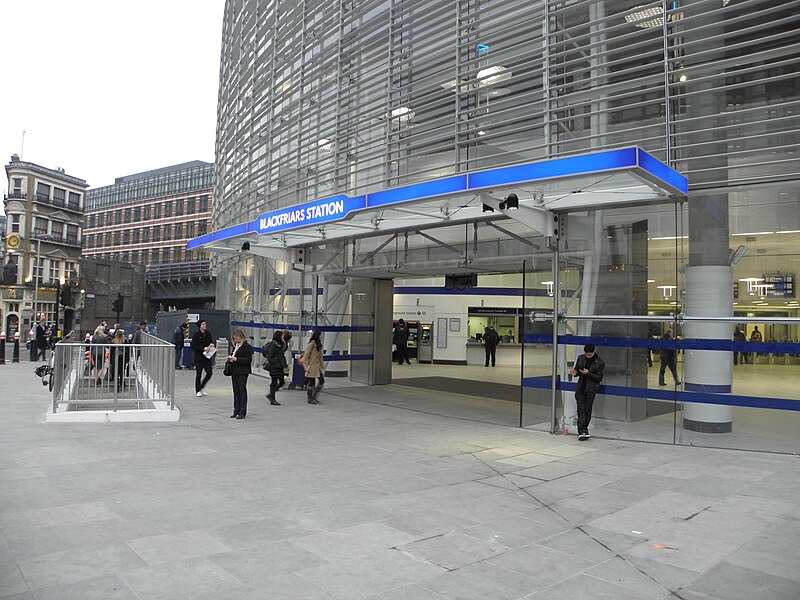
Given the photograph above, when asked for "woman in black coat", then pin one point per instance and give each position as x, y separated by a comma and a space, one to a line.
275, 353
241, 358
202, 342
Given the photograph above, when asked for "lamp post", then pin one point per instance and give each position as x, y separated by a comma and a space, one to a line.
34, 314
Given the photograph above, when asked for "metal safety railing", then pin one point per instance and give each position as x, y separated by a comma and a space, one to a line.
114, 376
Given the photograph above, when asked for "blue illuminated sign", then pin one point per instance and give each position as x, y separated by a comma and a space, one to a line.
313, 213
418, 191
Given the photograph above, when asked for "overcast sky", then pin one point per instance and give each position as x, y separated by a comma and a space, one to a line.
105, 88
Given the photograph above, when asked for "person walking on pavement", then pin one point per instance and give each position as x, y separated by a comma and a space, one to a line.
667, 356
241, 359
314, 367
275, 353
178, 336
287, 342
490, 340
589, 369
400, 340
202, 343
755, 337
41, 340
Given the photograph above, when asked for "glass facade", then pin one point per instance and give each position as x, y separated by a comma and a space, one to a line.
322, 98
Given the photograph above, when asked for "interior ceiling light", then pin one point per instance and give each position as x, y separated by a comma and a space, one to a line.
492, 75
646, 17
401, 113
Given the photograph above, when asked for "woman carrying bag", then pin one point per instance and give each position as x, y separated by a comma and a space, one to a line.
314, 367
238, 366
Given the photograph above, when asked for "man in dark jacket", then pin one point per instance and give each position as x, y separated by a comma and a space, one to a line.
41, 341
490, 340
178, 336
668, 359
400, 340
589, 369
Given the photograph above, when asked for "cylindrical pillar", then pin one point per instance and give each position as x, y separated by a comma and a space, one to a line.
2, 347
709, 293
15, 359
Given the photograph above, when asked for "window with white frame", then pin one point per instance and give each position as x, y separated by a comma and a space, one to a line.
70, 271
15, 223
55, 270
72, 234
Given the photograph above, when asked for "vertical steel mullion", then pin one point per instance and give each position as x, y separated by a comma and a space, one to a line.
556, 307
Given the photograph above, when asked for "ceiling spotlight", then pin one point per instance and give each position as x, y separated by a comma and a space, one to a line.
487, 208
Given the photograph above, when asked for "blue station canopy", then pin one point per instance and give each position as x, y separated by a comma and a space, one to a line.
575, 183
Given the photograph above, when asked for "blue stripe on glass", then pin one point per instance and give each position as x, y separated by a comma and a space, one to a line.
322, 328
558, 167
673, 396
680, 344
476, 291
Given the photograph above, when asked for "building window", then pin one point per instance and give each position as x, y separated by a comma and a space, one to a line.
137, 213
74, 201
135, 236
156, 234
118, 217
157, 211
127, 215
72, 234
126, 237
42, 192
39, 226
201, 228
55, 270
146, 234
168, 209
15, 223
203, 203
59, 196
147, 212
70, 271
17, 183
57, 230
179, 207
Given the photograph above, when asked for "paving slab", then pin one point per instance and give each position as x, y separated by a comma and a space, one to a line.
359, 499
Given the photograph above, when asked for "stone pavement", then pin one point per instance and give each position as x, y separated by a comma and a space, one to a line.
353, 499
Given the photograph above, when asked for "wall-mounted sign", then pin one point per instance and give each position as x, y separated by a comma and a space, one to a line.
315, 213
13, 293
782, 286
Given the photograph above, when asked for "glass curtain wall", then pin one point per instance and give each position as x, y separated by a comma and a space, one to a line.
322, 97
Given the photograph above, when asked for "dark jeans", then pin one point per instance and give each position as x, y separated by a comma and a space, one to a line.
201, 364
665, 364
178, 356
41, 353
310, 382
490, 352
276, 384
402, 354
239, 383
584, 400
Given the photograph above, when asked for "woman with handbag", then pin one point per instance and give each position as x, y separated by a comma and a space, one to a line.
274, 352
238, 368
314, 367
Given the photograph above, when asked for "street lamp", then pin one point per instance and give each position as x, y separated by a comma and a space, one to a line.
35, 318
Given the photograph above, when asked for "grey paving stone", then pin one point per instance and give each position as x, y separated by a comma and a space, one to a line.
267, 560
429, 523
410, 591
356, 541
371, 575
625, 574
578, 542
66, 567
773, 553
733, 582
516, 531
584, 587
453, 550
272, 529
83, 512
683, 550
182, 579
540, 562
11, 580
109, 587
156, 549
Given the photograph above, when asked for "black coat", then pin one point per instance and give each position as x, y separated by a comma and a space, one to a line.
276, 358
594, 377
200, 341
400, 336
244, 360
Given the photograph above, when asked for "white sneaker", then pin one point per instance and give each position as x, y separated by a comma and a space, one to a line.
199, 394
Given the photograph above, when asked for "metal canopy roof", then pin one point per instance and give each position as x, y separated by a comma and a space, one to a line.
591, 181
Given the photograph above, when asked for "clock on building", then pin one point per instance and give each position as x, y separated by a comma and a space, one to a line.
12, 241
